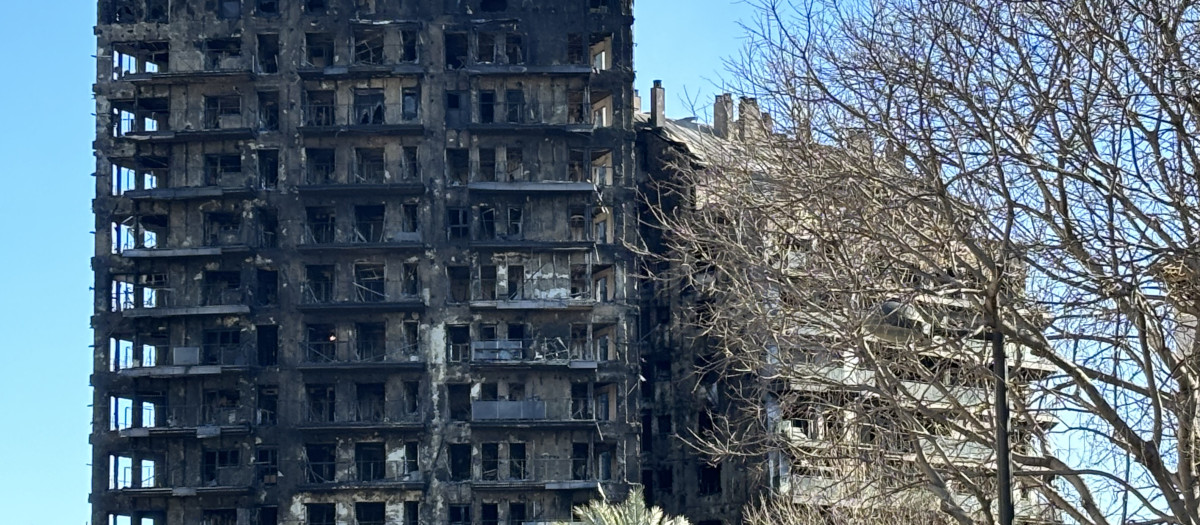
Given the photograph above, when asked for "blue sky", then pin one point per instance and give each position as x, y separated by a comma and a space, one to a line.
47, 190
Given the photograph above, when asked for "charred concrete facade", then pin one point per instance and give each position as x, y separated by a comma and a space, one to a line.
362, 261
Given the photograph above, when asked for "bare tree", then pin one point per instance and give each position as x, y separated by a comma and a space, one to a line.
937, 173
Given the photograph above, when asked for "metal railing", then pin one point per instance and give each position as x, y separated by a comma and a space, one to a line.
157, 416
365, 351
368, 232
220, 294
569, 409
317, 292
363, 471
320, 233
323, 114
544, 469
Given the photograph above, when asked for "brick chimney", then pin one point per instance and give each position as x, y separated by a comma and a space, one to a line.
749, 119
723, 114
658, 105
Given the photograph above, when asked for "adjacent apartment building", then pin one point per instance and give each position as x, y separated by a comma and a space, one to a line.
363, 261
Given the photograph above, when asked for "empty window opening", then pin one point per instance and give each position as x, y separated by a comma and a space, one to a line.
266, 7
412, 168
268, 169
318, 48
268, 110
321, 225
489, 514
266, 466
268, 407
412, 513
518, 467
222, 347
322, 404
319, 108
370, 341
370, 460
320, 513
579, 282
223, 54
458, 349
321, 460
575, 49
602, 167
577, 225
268, 227
318, 284
514, 163
487, 282
369, 282
268, 516
516, 223
458, 166
368, 224
219, 517
599, 6
369, 513
410, 281
487, 107
410, 222
410, 103
223, 229
136, 58
320, 166
490, 461
460, 515
412, 406
369, 168
221, 288
514, 100
216, 467
600, 51
368, 46
487, 165
268, 345
710, 479
493, 5
458, 222
268, 53
369, 107
460, 283
460, 461
516, 283
487, 223
514, 49
516, 513
457, 50
223, 170
317, 6
456, 110
321, 343
408, 45
487, 48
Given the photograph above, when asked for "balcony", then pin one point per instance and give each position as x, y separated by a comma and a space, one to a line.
201, 421
540, 412
365, 355
536, 187
322, 414
548, 352
319, 295
194, 361
326, 119
357, 475
178, 482
167, 302
544, 473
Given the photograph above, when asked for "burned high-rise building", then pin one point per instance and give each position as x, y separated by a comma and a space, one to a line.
363, 261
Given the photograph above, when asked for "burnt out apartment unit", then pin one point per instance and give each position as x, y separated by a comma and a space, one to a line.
362, 261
